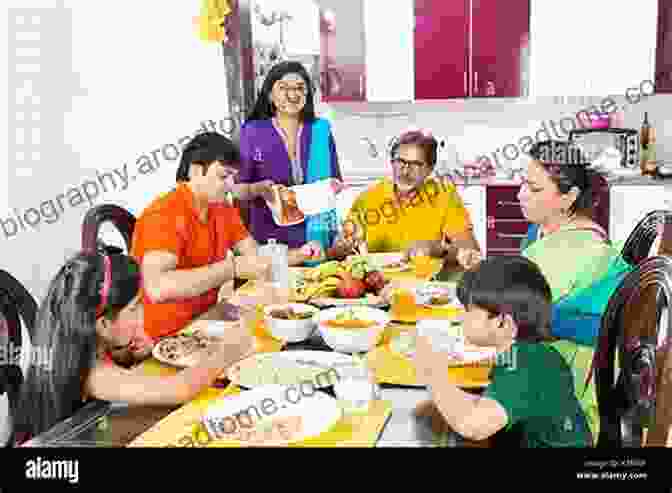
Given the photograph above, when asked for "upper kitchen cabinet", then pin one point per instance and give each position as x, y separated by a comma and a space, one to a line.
366, 50
664, 48
342, 56
565, 61
441, 49
471, 48
500, 45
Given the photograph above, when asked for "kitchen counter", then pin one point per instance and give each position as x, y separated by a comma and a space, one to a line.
494, 181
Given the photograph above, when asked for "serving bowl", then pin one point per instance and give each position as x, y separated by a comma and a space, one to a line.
290, 330
352, 339
437, 294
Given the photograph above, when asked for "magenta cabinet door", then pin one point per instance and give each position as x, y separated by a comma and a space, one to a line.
342, 60
441, 49
664, 48
500, 48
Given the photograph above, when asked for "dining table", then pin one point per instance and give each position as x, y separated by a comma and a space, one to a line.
393, 421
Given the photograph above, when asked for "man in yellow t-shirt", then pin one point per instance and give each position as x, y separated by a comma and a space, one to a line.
412, 212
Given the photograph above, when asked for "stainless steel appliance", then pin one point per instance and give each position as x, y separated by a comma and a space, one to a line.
594, 141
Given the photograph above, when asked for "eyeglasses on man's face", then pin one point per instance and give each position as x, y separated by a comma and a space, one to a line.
414, 166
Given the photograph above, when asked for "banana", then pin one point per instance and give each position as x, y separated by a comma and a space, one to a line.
329, 269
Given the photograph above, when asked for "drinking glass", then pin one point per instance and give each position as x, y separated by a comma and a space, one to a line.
403, 304
356, 387
423, 266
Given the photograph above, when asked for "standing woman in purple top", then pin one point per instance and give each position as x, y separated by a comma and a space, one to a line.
283, 143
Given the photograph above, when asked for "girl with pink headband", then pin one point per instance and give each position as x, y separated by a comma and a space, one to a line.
90, 325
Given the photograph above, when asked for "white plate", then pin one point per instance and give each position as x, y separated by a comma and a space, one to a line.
317, 411
624, 171
381, 261
404, 267
370, 300
184, 362
285, 368
404, 344
425, 292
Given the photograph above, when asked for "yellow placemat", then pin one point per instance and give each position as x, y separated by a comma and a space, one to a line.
393, 368
182, 427
426, 313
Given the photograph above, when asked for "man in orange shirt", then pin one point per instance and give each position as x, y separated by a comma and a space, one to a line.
184, 239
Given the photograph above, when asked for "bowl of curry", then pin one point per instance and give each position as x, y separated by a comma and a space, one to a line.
291, 322
354, 329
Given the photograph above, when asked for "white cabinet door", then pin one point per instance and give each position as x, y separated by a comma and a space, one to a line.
629, 204
474, 200
564, 62
389, 46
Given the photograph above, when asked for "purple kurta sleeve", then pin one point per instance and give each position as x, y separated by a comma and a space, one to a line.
246, 168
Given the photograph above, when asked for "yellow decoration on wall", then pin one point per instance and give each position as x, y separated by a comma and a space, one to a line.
210, 22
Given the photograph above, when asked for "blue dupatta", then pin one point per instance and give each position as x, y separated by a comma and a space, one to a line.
323, 227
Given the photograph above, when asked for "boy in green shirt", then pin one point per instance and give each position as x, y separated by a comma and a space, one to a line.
508, 306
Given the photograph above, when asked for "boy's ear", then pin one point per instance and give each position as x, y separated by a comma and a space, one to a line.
510, 325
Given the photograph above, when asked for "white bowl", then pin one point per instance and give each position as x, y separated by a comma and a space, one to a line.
425, 292
290, 330
352, 340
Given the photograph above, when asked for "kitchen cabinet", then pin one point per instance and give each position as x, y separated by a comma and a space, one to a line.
664, 48
499, 48
471, 48
342, 57
506, 225
566, 62
441, 39
629, 205
406, 50
366, 50
301, 32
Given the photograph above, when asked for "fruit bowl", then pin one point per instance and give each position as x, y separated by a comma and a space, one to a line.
354, 329
353, 281
283, 324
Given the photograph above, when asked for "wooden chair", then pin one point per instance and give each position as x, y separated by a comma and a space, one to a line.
641, 242
637, 396
17, 306
122, 220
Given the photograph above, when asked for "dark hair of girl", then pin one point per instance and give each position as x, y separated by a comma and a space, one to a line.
204, 149
510, 285
65, 336
568, 167
426, 142
265, 109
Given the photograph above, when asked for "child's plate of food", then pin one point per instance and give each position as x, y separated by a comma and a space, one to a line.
442, 338
184, 350
269, 416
